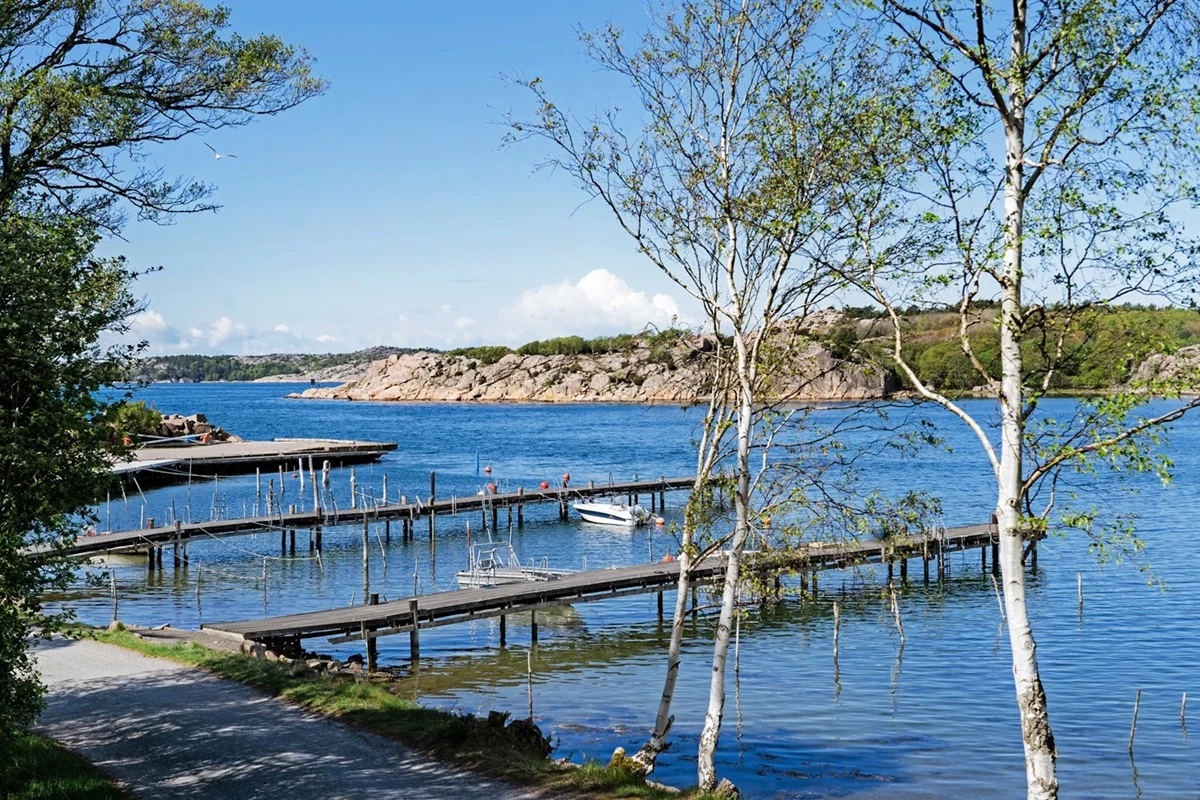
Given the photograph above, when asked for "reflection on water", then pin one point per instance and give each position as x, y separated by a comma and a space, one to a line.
932, 719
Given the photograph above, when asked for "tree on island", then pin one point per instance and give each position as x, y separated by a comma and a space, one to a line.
751, 158
86, 88
1057, 142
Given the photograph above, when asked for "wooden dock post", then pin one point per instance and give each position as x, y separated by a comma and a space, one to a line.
387, 531
414, 636
495, 520
318, 535
353, 489
385, 488
283, 541
372, 641
366, 547
503, 630
175, 545
533, 627
903, 569
635, 493
925, 558
312, 478
292, 532
520, 506
158, 556
662, 493
660, 601
257, 488
432, 498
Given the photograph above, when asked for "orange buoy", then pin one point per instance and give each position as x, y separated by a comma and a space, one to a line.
492, 488
660, 522
668, 558
566, 478
545, 484
488, 469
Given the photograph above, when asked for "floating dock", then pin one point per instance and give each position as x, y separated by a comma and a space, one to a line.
175, 463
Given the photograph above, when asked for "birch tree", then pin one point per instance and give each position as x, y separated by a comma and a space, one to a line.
737, 176
1059, 139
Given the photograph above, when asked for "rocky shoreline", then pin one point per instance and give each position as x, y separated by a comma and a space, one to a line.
672, 376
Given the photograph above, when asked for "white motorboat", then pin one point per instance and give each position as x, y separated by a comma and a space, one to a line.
612, 513
487, 566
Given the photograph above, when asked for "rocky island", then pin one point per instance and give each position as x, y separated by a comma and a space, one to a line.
645, 372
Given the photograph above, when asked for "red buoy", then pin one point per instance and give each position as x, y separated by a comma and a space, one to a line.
492, 488
545, 484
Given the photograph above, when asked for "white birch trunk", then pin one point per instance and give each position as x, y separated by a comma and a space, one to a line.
1037, 737
709, 737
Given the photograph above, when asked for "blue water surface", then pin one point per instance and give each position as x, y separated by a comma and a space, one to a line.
933, 719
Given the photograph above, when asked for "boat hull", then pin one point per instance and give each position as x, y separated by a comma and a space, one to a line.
609, 514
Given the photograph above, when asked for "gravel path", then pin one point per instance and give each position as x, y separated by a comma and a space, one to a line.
168, 731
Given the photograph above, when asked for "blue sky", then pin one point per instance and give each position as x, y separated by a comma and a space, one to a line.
384, 212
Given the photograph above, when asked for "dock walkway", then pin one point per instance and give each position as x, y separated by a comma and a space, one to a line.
413, 614
407, 513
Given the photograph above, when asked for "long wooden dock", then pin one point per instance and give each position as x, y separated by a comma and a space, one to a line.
413, 614
406, 513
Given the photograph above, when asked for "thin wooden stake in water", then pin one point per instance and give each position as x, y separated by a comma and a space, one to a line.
1079, 578
837, 625
1137, 701
999, 600
737, 644
529, 672
896, 614
1183, 712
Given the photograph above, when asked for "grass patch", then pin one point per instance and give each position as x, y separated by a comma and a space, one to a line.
511, 752
33, 766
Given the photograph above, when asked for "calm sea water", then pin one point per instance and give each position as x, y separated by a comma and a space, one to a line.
936, 719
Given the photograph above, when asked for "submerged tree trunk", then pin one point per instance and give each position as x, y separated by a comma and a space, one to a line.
1037, 737
709, 737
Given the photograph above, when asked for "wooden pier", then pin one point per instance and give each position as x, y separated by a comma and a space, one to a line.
159, 465
153, 538
414, 614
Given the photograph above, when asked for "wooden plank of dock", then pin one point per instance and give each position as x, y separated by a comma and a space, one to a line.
167, 534
447, 608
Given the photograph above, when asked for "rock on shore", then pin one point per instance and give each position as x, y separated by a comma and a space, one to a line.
673, 376
1184, 364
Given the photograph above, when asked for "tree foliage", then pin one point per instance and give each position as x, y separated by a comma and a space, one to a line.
56, 300
88, 86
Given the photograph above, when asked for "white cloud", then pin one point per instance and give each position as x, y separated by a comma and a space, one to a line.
224, 328
225, 335
462, 323
444, 309
147, 322
599, 302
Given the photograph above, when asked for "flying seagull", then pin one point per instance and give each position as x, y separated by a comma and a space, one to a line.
219, 155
